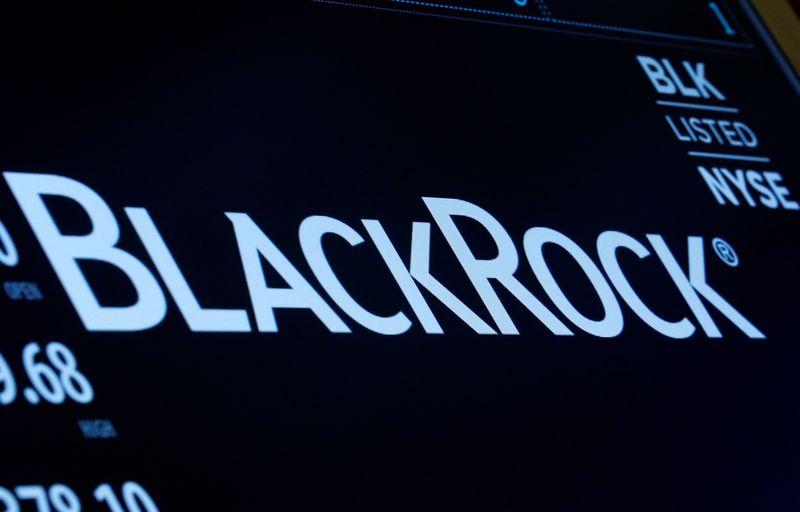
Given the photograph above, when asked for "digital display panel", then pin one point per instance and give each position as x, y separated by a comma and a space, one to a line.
399, 255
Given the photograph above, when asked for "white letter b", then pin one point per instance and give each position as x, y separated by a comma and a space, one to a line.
64, 251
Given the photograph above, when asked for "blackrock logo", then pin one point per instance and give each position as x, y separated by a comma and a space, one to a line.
413, 278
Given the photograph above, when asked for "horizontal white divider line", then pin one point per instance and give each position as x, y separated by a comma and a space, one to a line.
727, 156
698, 106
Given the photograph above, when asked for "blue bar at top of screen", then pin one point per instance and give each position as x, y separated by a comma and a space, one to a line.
545, 17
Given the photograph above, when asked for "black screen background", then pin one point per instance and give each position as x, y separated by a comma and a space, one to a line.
290, 110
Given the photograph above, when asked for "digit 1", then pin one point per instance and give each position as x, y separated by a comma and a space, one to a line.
8, 251
105, 494
134, 495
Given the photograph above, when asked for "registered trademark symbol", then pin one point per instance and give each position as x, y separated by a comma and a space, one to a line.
725, 252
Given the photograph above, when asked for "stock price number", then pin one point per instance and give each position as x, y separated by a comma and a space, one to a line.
60, 498
53, 376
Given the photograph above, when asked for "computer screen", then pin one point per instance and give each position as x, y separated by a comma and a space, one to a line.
398, 255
